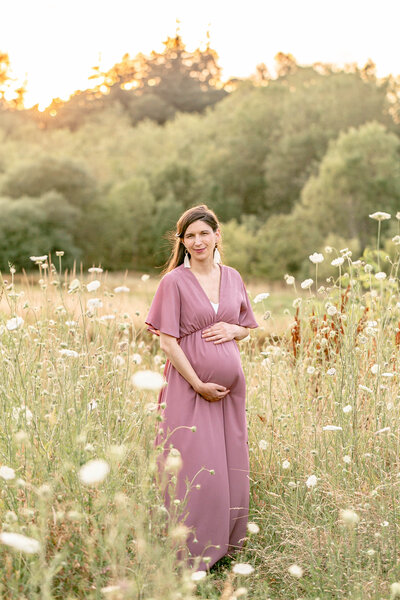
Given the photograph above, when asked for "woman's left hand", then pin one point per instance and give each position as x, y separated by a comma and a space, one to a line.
220, 332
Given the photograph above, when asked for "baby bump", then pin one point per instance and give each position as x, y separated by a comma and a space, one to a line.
216, 363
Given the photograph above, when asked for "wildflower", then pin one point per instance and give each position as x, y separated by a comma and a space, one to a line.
387, 374
295, 571
95, 270
261, 297
74, 285
253, 528
331, 371
148, 380
66, 352
395, 587
198, 575
92, 286
38, 259
348, 408
20, 542
173, 463
337, 261
180, 533
331, 310
17, 410
14, 323
92, 405
111, 589
380, 276
292, 484
316, 258
380, 216
118, 360
286, 464
384, 430
71, 323
242, 569
365, 388
94, 471
7, 473
346, 253
332, 428
396, 239
120, 289
94, 303
262, 444
385, 524
328, 249
296, 303
311, 481
349, 517
371, 552
311, 370
289, 279
145, 277
136, 358
306, 284
375, 369
347, 459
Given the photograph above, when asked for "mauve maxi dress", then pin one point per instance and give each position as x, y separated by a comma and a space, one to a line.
217, 508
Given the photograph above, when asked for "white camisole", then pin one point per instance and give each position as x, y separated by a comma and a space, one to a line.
215, 306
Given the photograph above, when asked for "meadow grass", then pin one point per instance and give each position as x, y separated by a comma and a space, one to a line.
323, 418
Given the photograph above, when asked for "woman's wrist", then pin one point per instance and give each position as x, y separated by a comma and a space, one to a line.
241, 332
198, 386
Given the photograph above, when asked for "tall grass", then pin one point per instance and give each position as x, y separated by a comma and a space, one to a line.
323, 417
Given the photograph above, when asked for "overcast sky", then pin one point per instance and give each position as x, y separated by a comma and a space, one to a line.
54, 43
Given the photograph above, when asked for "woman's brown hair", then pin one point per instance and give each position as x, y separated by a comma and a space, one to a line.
196, 213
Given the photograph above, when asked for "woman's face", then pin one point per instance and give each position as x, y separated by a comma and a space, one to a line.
200, 241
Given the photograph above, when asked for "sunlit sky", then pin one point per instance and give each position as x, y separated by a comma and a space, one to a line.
53, 44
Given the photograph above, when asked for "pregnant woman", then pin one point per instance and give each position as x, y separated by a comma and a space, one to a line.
200, 310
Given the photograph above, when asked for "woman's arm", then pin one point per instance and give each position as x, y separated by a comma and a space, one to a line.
224, 332
210, 391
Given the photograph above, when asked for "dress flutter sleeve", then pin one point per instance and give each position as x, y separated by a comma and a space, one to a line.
246, 316
165, 309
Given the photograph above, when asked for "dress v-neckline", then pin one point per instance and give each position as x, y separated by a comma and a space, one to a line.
204, 292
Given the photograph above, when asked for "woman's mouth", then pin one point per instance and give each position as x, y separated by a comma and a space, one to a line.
199, 251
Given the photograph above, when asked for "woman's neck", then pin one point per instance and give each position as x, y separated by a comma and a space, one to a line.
203, 267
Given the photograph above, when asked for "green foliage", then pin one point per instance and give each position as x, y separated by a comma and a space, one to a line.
316, 109
295, 153
47, 173
36, 226
240, 245
124, 217
358, 175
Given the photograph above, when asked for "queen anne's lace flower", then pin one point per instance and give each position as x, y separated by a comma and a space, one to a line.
20, 542
316, 258
380, 216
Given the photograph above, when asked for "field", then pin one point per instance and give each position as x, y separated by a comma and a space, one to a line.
323, 417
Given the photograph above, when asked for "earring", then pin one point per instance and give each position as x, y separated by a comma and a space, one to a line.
217, 256
186, 261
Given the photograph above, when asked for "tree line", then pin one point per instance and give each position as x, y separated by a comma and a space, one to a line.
289, 164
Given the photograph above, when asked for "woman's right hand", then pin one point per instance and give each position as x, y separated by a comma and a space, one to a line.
212, 392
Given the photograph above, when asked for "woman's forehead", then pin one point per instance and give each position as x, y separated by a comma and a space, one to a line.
198, 226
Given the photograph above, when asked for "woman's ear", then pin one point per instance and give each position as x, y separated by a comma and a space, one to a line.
218, 235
